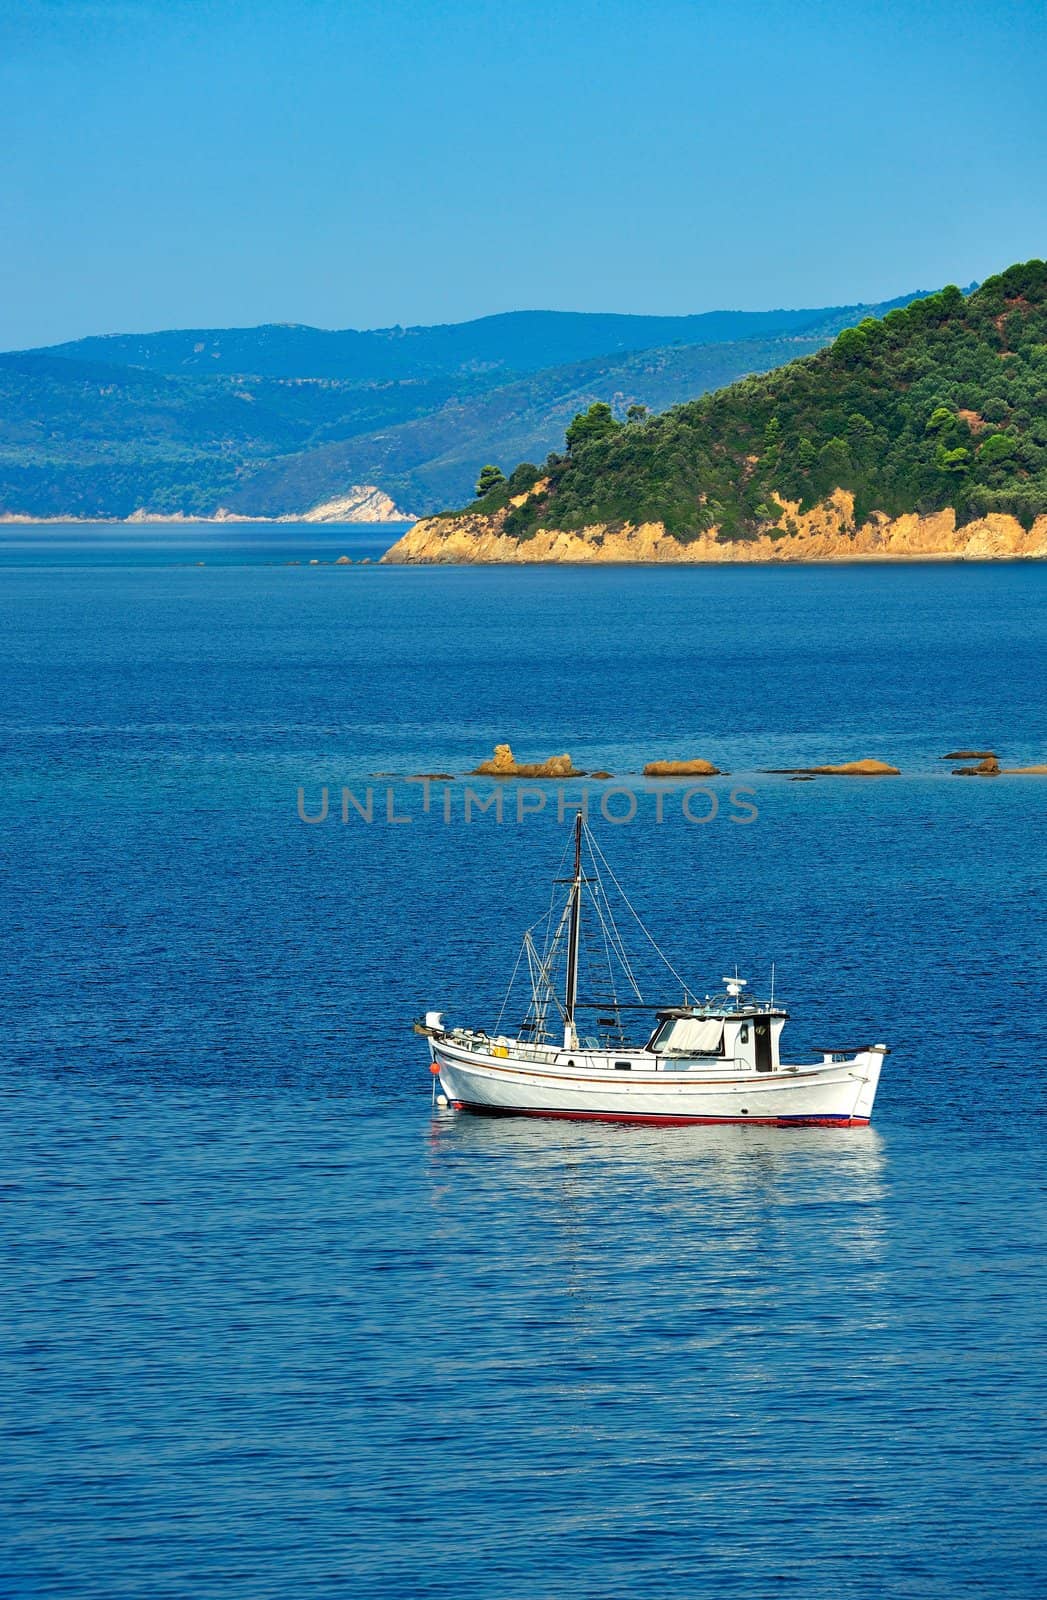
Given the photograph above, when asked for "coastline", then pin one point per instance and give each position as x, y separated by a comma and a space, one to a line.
363, 503
10, 519
825, 534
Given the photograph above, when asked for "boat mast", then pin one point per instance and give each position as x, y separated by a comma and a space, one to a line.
570, 1036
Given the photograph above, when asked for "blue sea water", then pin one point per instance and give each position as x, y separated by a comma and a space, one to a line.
272, 1327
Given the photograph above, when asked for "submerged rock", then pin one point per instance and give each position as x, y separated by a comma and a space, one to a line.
968, 755
680, 769
845, 769
989, 768
859, 769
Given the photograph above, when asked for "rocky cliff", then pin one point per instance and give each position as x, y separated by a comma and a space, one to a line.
362, 503
826, 533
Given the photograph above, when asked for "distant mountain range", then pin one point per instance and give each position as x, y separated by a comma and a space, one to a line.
273, 421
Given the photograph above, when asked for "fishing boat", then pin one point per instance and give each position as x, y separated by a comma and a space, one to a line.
709, 1060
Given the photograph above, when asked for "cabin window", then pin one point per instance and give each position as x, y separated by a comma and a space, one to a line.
623, 1066
743, 1033
691, 1036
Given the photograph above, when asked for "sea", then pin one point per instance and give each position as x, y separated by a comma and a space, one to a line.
274, 1324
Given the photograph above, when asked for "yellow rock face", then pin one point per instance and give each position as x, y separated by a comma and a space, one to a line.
825, 533
503, 761
680, 769
503, 764
844, 769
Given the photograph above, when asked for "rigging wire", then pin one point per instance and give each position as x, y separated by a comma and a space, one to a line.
512, 980
542, 962
619, 943
543, 958
540, 1009
598, 854
613, 938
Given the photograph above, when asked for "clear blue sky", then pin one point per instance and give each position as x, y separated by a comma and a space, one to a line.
175, 163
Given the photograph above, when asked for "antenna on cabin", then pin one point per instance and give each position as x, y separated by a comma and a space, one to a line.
772, 983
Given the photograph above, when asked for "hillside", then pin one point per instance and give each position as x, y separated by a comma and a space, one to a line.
426, 461
173, 435
938, 410
88, 439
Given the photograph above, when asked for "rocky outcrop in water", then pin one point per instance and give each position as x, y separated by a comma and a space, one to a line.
504, 764
680, 769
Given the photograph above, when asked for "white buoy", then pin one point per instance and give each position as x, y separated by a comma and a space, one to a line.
442, 1101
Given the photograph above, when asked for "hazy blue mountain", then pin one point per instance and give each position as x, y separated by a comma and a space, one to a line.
284, 417
516, 341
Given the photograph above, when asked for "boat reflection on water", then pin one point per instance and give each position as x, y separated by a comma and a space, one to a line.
729, 1262
742, 1187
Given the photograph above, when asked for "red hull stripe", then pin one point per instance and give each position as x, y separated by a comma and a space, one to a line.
653, 1119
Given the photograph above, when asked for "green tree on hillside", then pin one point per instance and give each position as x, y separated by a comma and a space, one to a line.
596, 423
525, 477
490, 478
997, 447
851, 345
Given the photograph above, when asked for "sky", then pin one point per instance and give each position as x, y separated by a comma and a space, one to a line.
344, 163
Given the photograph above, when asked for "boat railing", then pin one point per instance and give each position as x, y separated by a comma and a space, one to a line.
483, 1045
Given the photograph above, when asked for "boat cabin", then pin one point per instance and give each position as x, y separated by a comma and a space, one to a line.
749, 1037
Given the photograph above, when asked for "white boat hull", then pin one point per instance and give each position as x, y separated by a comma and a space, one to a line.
839, 1093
